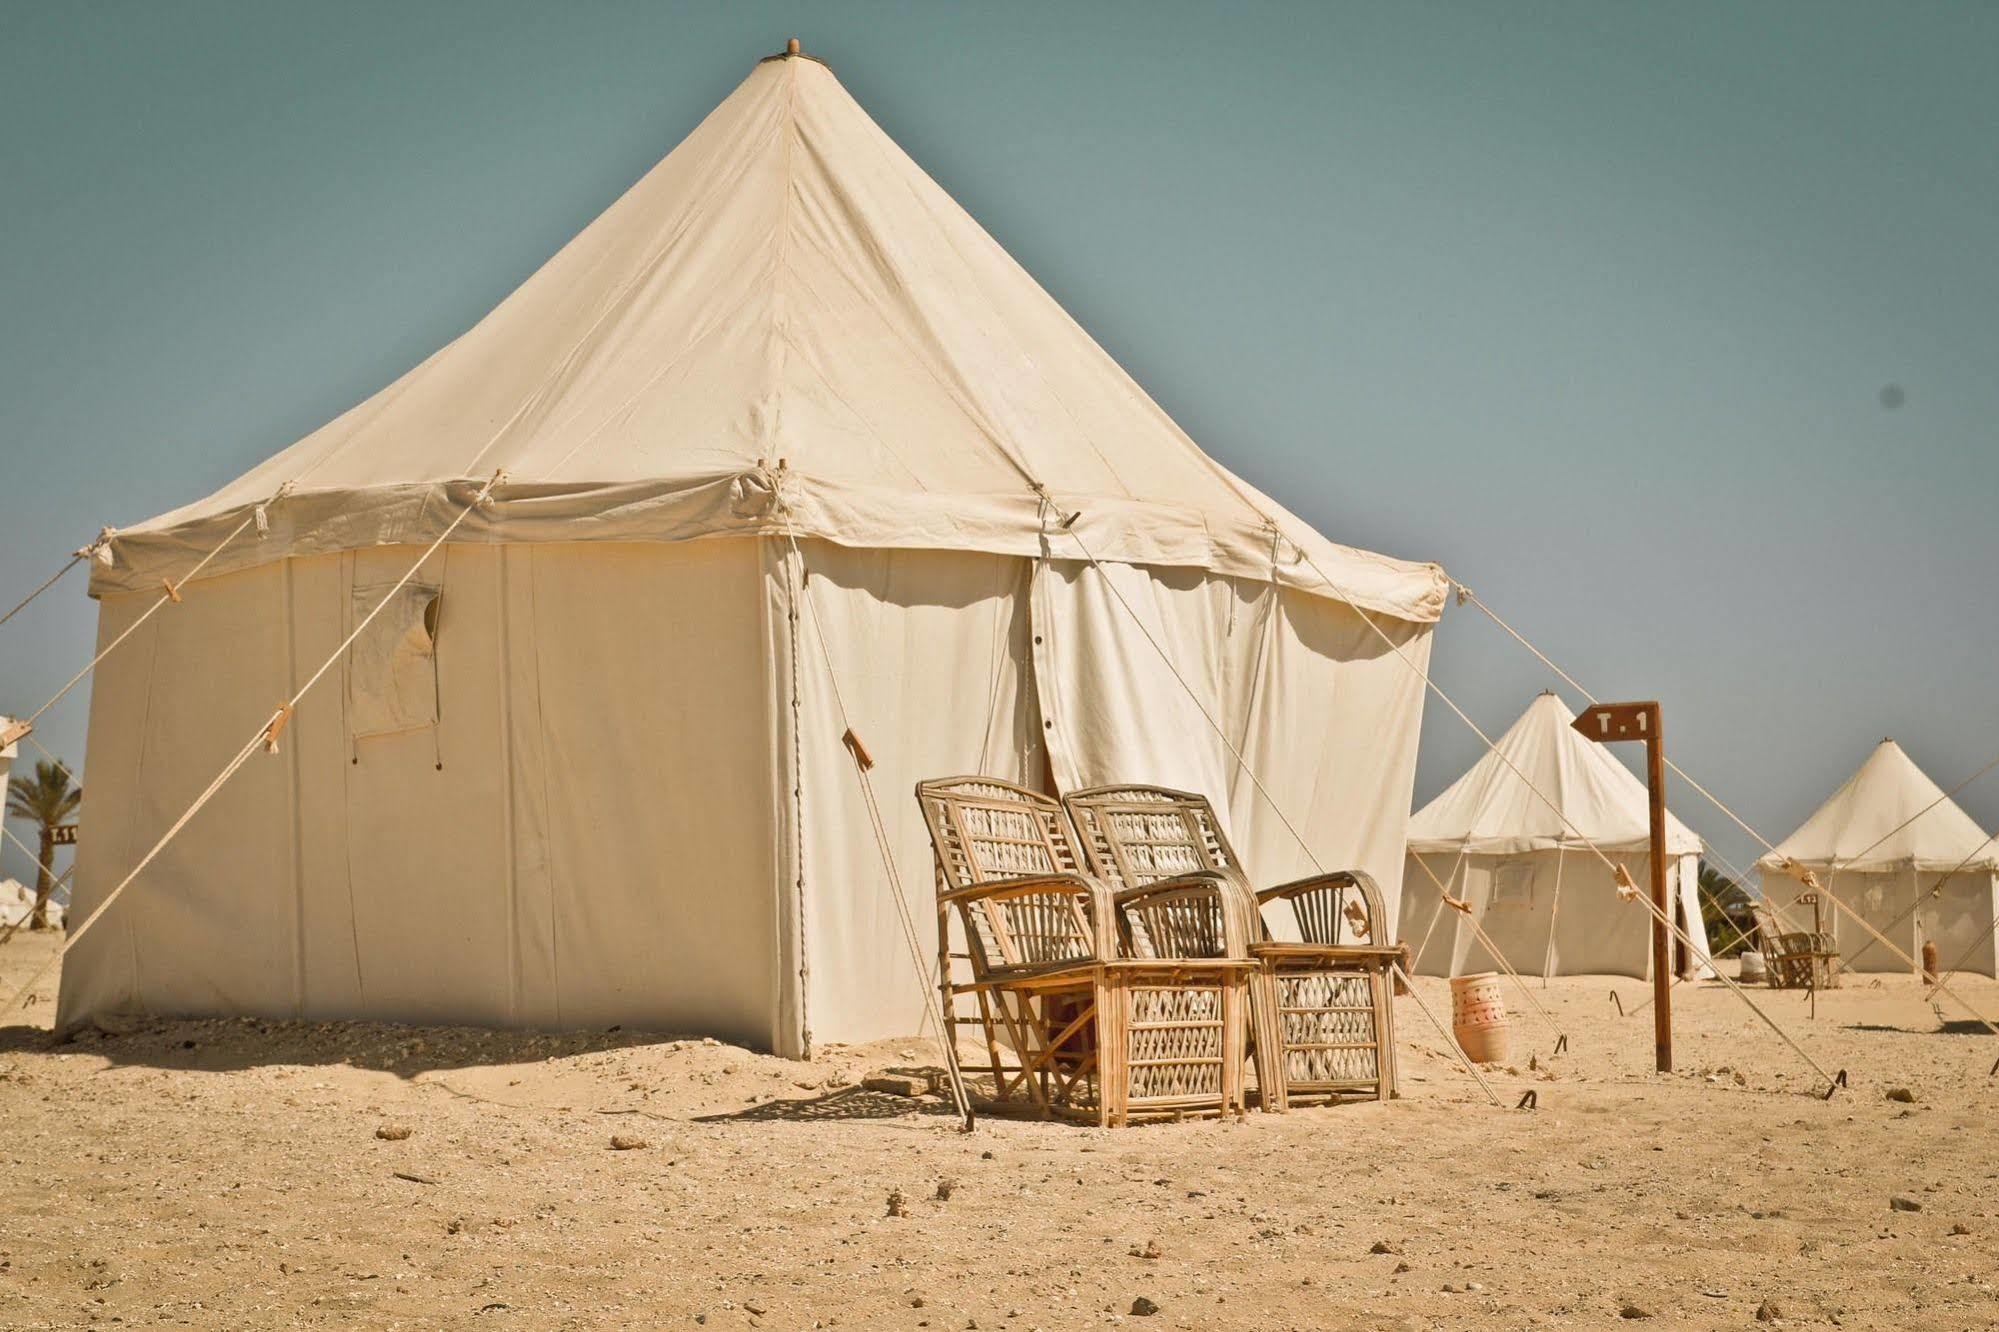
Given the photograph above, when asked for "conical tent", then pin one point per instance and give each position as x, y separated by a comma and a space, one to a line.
790, 444
1547, 902
1892, 847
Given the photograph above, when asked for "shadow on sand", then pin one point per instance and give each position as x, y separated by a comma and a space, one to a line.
219, 1045
842, 1103
1946, 1027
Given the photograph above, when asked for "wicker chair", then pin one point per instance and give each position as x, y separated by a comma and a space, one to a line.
1322, 1020
1797, 959
1074, 1023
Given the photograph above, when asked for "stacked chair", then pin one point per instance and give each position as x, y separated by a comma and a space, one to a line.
1322, 1010
1074, 1023
1131, 975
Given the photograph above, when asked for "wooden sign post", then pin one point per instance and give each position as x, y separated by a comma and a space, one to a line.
1607, 723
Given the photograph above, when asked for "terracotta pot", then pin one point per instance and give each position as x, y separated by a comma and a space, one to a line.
1478, 1018
1929, 962
1750, 969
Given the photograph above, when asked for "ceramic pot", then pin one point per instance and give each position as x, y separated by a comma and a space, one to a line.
1478, 1018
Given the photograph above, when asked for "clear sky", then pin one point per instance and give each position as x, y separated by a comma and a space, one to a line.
1594, 303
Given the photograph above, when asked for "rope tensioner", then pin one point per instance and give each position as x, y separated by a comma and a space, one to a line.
276, 725
1627, 887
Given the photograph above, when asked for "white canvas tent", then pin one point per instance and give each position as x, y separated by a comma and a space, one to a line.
1546, 901
1936, 878
588, 768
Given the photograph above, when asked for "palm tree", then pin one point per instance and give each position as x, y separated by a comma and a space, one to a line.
46, 800
1725, 910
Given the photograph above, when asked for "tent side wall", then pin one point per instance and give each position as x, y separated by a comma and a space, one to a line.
928, 652
561, 817
1321, 710
962, 663
645, 813
1960, 921
1958, 917
1547, 912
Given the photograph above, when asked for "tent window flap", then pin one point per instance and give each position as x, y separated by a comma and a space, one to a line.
392, 667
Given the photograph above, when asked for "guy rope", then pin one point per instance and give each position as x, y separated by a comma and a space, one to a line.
170, 594
265, 738
77, 557
1789, 866
1626, 887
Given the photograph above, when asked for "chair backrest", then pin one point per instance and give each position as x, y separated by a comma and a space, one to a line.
983, 829
1135, 835
1140, 835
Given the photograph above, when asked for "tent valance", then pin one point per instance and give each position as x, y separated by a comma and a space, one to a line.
1120, 530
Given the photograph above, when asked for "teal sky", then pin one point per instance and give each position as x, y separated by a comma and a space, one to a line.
1593, 303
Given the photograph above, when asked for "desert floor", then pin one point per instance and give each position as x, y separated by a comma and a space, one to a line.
229, 1174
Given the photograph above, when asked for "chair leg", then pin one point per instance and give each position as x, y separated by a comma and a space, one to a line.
1268, 1018
1113, 1050
1237, 1007
1384, 1035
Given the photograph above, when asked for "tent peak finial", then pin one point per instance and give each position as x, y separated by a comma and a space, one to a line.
792, 51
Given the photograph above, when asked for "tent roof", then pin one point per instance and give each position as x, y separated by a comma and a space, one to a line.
1882, 793
1492, 811
787, 286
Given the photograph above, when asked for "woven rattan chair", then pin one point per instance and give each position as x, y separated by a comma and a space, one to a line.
1797, 959
1322, 1017
1074, 1024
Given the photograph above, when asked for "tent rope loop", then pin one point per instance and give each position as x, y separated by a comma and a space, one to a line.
98, 547
1627, 888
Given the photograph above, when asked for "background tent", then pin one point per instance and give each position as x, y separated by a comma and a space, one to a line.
1857, 846
1547, 902
17, 905
587, 768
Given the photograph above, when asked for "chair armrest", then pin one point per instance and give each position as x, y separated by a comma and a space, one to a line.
1025, 885
1148, 923
1098, 913
1338, 883
1179, 883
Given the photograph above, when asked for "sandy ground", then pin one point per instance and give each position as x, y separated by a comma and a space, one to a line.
230, 1174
